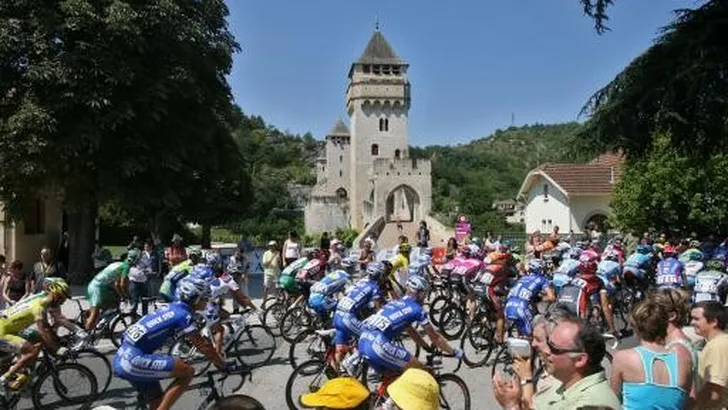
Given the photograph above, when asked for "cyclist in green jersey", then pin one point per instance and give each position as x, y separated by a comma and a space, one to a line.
108, 286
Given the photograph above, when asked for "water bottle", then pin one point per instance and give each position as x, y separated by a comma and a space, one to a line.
351, 363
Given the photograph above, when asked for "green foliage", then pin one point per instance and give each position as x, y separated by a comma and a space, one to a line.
668, 190
469, 178
678, 87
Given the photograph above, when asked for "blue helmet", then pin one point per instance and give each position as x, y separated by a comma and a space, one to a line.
535, 266
203, 272
644, 249
375, 270
213, 259
191, 289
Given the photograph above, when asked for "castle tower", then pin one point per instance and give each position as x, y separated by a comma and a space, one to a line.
378, 102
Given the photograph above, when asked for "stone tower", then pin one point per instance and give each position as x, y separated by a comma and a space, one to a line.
378, 102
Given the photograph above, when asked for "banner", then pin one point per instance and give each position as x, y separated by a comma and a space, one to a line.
462, 229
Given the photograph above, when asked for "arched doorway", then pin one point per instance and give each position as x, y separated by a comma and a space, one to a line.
596, 222
403, 204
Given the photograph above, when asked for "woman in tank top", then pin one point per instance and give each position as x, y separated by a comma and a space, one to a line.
649, 376
291, 248
17, 284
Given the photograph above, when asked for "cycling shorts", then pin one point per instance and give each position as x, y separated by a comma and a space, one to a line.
519, 312
101, 296
382, 354
142, 370
347, 325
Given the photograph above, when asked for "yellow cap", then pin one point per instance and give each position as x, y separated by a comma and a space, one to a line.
338, 393
415, 389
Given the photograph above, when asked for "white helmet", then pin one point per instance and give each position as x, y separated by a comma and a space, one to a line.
191, 289
418, 284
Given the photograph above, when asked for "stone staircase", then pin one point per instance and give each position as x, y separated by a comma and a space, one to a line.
390, 235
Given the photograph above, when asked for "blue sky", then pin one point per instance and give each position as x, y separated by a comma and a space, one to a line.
473, 63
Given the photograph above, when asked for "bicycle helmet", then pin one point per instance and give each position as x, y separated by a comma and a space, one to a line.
191, 289
611, 255
515, 249
348, 263
375, 270
574, 253
669, 250
587, 263
694, 243
195, 253
715, 264
418, 284
339, 247
405, 248
133, 256
696, 256
644, 249
58, 287
321, 303
535, 266
213, 259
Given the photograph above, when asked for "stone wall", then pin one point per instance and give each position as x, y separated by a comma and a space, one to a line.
326, 214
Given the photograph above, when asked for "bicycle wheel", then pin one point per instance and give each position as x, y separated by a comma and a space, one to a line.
70, 383
119, 325
98, 363
186, 351
501, 361
436, 306
452, 322
273, 317
293, 323
308, 345
237, 401
254, 346
477, 342
308, 377
454, 393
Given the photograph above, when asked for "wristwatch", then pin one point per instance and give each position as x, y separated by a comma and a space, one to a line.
526, 381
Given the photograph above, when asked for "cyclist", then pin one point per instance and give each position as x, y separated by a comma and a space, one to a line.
422, 265
220, 283
609, 271
169, 286
365, 293
670, 271
17, 318
312, 272
712, 283
400, 266
136, 362
469, 267
323, 293
108, 286
522, 298
692, 253
500, 266
692, 261
585, 290
568, 268
379, 331
635, 267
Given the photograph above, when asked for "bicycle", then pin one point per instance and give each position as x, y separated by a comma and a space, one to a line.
73, 375
214, 397
112, 324
242, 341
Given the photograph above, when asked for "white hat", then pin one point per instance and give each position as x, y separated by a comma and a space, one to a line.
272, 243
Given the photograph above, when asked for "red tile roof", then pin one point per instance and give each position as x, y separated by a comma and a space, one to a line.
595, 178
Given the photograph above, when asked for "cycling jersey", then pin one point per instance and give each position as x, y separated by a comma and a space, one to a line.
691, 269
691, 254
578, 292
519, 305
670, 273
18, 317
710, 285
111, 274
101, 292
608, 271
135, 361
323, 293
169, 285
398, 261
566, 270
312, 271
222, 285
638, 260
348, 310
294, 267
375, 343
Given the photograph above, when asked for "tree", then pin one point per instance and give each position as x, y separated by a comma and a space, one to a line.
677, 88
668, 190
111, 100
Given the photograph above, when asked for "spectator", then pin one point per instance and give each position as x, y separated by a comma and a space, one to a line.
44, 268
244, 245
138, 287
423, 235
709, 320
102, 257
177, 252
650, 375
325, 241
291, 248
338, 393
336, 257
452, 248
271, 269
415, 389
371, 239
366, 256
400, 228
63, 253
238, 267
575, 352
554, 237
17, 284
135, 243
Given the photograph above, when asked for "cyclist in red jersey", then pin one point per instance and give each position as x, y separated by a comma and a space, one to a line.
586, 288
501, 267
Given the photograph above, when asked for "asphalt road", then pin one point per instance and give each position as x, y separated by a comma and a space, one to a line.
268, 383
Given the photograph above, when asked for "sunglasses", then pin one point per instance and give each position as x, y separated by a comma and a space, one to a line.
556, 351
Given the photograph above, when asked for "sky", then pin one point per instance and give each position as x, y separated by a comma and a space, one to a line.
475, 65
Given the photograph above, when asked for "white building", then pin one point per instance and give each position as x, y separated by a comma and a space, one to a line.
365, 177
571, 196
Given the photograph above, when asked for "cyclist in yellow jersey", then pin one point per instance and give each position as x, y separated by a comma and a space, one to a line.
400, 263
30, 311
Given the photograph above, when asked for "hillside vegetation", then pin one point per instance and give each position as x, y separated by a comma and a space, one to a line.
467, 178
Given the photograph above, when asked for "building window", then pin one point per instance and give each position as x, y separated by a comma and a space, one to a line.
340, 173
383, 124
376, 69
385, 70
545, 192
396, 154
375, 149
367, 68
341, 158
34, 218
395, 70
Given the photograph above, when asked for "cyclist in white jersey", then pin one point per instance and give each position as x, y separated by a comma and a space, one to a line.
712, 283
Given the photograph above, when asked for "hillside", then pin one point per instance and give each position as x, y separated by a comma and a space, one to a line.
469, 177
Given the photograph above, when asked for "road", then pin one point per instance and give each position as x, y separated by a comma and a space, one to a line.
268, 383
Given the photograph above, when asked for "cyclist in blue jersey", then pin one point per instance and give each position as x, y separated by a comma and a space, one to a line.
381, 329
568, 268
323, 293
670, 271
179, 271
529, 289
609, 271
351, 307
136, 362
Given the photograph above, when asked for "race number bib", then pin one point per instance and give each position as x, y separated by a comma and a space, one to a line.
346, 304
135, 332
379, 322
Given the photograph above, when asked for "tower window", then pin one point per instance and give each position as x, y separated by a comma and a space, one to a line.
385, 70
341, 158
395, 70
383, 124
340, 173
375, 149
377, 69
545, 192
367, 68
396, 154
